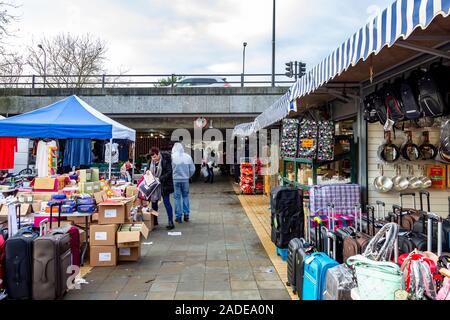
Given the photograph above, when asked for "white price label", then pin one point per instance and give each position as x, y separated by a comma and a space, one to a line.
104, 256
125, 251
101, 236
111, 213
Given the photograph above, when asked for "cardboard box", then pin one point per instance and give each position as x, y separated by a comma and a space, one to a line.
25, 209
129, 254
79, 221
44, 183
43, 196
129, 235
97, 186
103, 256
100, 197
95, 217
95, 174
131, 191
86, 187
103, 235
85, 175
82, 237
36, 205
114, 212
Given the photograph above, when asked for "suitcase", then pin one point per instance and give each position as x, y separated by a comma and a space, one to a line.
74, 233
285, 200
315, 270
339, 283
293, 247
416, 240
357, 242
2, 260
51, 259
19, 264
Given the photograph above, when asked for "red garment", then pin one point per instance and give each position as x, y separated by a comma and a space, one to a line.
8, 146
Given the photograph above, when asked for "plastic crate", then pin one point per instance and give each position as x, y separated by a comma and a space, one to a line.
283, 253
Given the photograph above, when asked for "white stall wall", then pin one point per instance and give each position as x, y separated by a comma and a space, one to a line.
21, 156
439, 198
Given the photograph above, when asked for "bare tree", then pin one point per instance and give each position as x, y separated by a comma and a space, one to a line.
68, 60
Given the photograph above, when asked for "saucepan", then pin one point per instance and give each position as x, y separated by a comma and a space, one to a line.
382, 183
401, 183
414, 182
426, 181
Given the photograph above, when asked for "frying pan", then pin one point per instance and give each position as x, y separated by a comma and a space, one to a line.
427, 150
410, 151
388, 152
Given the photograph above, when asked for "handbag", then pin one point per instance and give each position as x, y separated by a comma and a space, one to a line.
205, 172
376, 280
148, 189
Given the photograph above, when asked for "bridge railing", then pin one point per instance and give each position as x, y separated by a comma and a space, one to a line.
136, 80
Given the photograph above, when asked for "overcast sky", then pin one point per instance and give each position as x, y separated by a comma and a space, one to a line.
190, 36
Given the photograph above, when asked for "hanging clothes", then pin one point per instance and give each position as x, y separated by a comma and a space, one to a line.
123, 150
42, 157
114, 154
8, 147
78, 153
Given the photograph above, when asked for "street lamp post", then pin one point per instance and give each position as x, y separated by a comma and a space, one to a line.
45, 63
273, 45
243, 64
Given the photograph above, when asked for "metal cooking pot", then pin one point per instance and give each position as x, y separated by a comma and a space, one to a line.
426, 181
400, 182
414, 182
383, 184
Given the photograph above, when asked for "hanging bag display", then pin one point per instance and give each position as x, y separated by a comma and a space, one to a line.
431, 100
376, 280
394, 105
410, 105
370, 110
308, 139
326, 141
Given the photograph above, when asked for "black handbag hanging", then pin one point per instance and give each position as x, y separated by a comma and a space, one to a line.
411, 107
431, 99
393, 103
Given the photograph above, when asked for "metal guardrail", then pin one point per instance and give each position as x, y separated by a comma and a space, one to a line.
134, 80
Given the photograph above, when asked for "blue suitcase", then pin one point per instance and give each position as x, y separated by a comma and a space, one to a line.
315, 270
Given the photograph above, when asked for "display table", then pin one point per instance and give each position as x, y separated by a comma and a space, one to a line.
88, 218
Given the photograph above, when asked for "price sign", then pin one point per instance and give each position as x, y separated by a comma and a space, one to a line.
307, 143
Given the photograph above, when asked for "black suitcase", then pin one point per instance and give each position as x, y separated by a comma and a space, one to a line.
302, 252
286, 228
19, 264
407, 239
286, 200
293, 247
51, 259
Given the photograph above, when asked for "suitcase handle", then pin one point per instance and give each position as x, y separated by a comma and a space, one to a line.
405, 194
427, 194
59, 204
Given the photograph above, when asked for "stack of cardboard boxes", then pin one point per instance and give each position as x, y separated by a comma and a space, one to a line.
115, 238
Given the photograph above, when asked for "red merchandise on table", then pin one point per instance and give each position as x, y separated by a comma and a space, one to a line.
8, 146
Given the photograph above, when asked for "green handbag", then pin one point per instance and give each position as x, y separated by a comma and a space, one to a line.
376, 280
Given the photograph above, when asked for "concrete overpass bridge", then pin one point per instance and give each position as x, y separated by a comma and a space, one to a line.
154, 108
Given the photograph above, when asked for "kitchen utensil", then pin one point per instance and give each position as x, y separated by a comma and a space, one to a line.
410, 151
427, 150
382, 183
388, 152
426, 181
414, 182
400, 182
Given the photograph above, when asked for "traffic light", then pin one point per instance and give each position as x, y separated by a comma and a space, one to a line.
289, 69
301, 69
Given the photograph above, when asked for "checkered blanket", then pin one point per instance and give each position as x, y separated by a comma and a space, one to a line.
343, 196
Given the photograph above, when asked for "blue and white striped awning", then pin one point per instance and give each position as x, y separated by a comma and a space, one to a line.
276, 112
396, 22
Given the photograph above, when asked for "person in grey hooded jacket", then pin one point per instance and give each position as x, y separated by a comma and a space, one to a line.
183, 169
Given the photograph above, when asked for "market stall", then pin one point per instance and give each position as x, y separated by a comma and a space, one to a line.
393, 76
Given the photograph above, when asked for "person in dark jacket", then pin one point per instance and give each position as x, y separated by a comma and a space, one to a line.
161, 167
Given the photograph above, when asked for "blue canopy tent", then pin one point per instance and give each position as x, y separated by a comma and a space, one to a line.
68, 118
400, 33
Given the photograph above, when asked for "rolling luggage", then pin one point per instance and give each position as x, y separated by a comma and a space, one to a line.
2, 260
287, 216
51, 258
408, 239
315, 269
357, 242
19, 264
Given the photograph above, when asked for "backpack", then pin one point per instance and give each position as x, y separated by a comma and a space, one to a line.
394, 104
380, 108
411, 107
370, 112
431, 98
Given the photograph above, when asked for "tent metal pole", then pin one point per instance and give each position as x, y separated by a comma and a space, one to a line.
134, 161
110, 157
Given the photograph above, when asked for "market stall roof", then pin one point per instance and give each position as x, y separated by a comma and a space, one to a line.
403, 31
68, 118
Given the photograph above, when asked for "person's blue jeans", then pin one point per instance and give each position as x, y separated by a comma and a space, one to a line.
167, 205
181, 197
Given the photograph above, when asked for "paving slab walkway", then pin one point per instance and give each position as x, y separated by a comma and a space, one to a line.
219, 256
